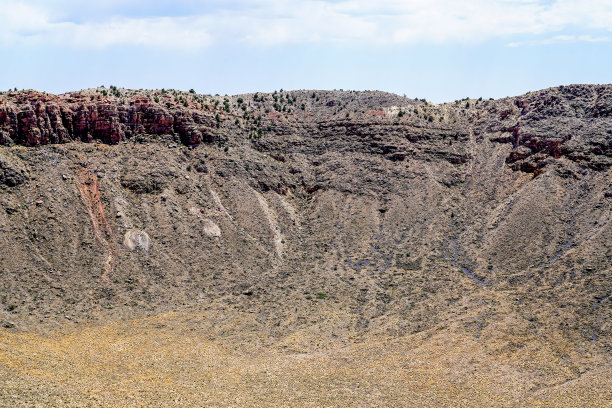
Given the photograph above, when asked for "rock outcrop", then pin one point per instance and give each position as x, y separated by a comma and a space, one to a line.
571, 122
32, 119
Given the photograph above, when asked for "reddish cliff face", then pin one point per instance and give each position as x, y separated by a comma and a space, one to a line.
31, 119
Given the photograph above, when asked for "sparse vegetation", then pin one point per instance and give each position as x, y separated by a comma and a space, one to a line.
260, 251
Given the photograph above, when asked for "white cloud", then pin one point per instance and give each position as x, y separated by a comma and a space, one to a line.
177, 33
559, 39
188, 24
21, 23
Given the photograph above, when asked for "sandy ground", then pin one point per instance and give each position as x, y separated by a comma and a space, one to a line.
167, 361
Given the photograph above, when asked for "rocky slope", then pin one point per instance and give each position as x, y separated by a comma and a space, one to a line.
324, 217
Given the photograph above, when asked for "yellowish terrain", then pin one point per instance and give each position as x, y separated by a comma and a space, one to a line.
167, 360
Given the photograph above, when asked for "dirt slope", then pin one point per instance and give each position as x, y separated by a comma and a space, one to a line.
358, 232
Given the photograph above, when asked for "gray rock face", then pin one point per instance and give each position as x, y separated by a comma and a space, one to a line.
211, 229
11, 176
137, 239
572, 122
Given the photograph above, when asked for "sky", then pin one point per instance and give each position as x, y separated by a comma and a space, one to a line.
440, 50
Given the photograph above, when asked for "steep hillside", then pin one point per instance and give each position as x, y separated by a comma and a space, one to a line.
314, 221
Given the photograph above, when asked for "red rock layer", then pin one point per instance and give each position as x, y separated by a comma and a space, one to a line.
36, 119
